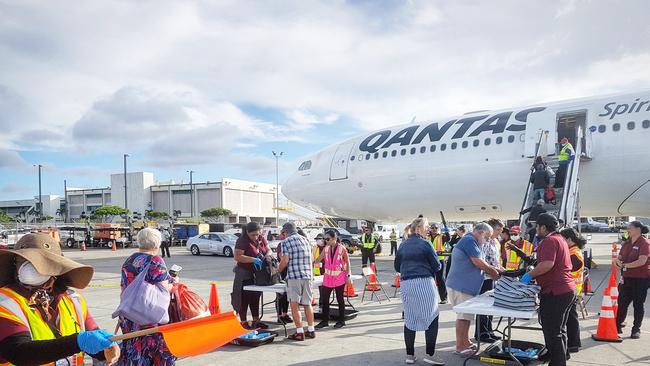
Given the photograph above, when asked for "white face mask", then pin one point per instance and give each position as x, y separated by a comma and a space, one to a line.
514, 237
28, 275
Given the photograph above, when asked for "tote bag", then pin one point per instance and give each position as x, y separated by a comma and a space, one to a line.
144, 303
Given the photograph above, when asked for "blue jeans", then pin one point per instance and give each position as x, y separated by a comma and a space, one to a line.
538, 194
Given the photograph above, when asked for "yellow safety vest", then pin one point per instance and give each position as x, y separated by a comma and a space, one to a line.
579, 273
393, 236
564, 152
368, 241
72, 315
514, 259
438, 245
316, 253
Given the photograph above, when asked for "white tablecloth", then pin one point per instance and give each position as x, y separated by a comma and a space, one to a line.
484, 305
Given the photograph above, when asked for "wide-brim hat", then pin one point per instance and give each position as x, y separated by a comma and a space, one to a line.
44, 253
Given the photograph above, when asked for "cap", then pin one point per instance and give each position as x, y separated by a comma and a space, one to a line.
515, 229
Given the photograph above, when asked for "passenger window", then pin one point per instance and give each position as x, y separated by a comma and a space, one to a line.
367, 156
393, 153
376, 155
433, 148
413, 150
487, 141
454, 145
498, 140
630, 125
423, 149
602, 128
403, 152
384, 154
475, 143
443, 147
616, 127
645, 123
352, 158
511, 139
465, 144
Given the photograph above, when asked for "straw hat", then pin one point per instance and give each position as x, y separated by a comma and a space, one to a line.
44, 253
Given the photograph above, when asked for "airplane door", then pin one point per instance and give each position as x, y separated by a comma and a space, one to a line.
339, 167
540, 129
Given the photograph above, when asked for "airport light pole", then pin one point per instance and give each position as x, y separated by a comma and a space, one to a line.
126, 204
191, 193
277, 186
40, 196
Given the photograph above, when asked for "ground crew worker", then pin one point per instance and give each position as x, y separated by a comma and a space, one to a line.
567, 154
315, 253
42, 320
439, 247
553, 275
368, 244
516, 240
393, 242
576, 243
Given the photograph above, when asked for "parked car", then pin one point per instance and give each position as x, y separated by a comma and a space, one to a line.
588, 224
212, 243
273, 245
11, 236
235, 231
350, 241
382, 232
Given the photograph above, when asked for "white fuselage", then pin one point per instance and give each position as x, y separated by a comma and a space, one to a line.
477, 165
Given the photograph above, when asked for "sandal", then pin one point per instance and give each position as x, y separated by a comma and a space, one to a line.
467, 352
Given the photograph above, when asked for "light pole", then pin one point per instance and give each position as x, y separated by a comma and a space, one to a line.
191, 194
277, 186
126, 204
40, 196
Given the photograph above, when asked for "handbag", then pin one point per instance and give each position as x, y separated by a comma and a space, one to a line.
143, 302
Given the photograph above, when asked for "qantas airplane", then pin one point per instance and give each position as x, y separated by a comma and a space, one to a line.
477, 165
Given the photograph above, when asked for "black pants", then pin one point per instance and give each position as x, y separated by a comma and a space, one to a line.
430, 335
367, 254
560, 175
573, 327
340, 299
249, 300
393, 247
165, 248
484, 321
634, 291
553, 315
282, 304
440, 282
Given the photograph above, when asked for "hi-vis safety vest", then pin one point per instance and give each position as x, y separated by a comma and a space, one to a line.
393, 236
513, 259
316, 254
438, 245
72, 315
579, 273
564, 152
368, 241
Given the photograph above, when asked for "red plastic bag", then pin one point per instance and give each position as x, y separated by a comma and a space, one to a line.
186, 304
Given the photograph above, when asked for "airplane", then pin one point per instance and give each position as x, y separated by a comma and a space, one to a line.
477, 165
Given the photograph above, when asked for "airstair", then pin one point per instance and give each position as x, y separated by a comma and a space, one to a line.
566, 205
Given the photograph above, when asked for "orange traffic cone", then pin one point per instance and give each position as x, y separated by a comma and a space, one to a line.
588, 287
613, 283
114, 247
349, 291
607, 322
372, 279
83, 246
213, 304
396, 282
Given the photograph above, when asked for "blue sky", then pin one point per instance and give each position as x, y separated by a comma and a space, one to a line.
216, 86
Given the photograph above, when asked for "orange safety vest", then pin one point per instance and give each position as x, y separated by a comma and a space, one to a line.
578, 275
514, 259
72, 315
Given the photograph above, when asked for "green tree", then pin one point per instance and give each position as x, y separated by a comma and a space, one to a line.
107, 213
4, 218
216, 213
151, 214
46, 218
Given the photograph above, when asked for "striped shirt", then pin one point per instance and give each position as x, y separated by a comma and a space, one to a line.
512, 294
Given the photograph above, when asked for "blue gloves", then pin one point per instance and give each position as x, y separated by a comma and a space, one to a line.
258, 264
526, 278
94, 341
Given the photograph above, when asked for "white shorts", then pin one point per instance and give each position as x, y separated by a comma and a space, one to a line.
299, 291
457, 298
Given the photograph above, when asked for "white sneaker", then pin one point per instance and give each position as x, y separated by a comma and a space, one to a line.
433, 360
410, 359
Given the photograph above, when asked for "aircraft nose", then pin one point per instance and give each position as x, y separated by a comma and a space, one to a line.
289, 188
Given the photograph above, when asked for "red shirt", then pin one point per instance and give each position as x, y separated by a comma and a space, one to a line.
558, 280
630, 252
251, 249
9, 327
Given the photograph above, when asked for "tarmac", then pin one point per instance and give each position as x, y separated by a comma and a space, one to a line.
374, 337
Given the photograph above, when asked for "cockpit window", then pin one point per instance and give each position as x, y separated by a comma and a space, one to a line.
306, 165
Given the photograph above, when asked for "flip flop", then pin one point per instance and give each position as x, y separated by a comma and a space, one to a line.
466, 352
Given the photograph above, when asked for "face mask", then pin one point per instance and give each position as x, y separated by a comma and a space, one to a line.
514, 237
28, 275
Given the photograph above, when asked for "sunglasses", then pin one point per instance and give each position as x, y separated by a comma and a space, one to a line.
328, 239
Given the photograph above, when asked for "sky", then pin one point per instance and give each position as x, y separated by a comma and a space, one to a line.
216, 86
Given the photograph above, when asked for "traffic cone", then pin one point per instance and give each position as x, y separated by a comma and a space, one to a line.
213, 304
613, 283
396, 281
83, 246
114, 247
349, 291
613, 291
589, 290
606, 322
372, 279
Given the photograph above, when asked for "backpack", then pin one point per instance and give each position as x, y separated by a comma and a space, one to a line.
270, 272
549, 195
